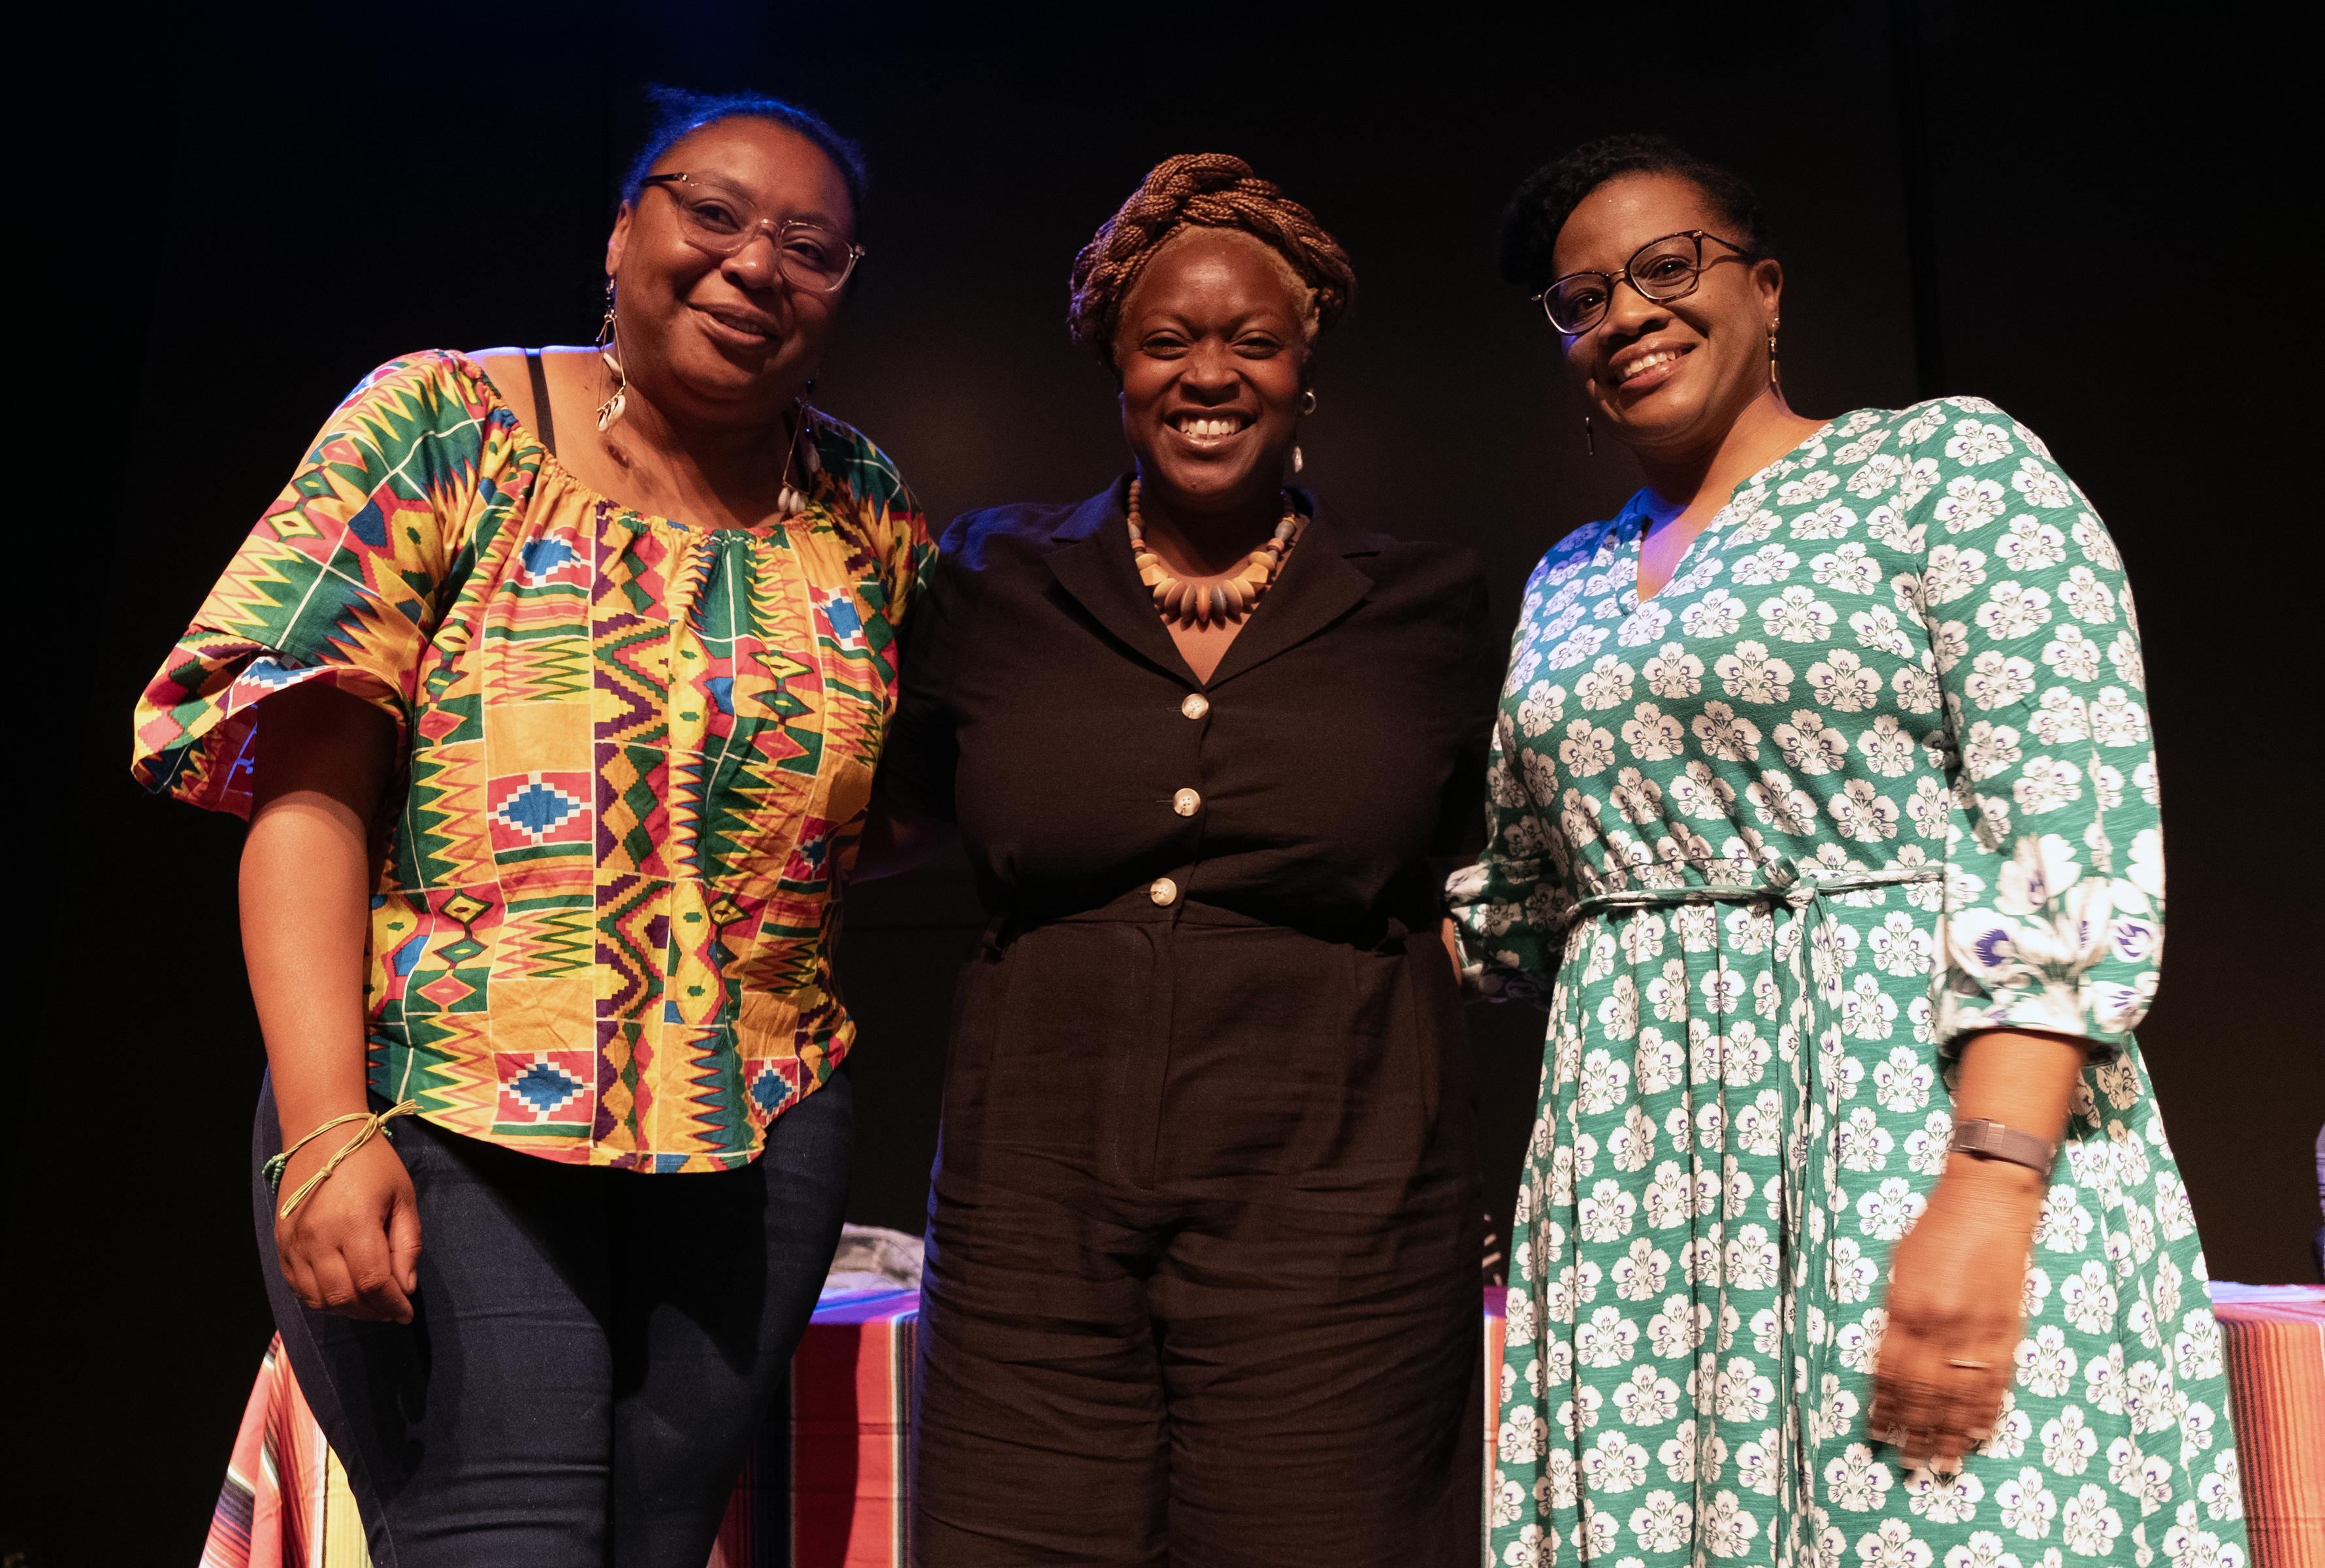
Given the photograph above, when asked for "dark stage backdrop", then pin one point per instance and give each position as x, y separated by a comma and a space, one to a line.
222, 223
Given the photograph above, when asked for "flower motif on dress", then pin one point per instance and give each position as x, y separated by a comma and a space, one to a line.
1663, 1523
1916, 685
1643, 624
2047, 784
1998, 680
1544, 706
1605, 685
1893, 1546
2087, 1525
1587, 750
1653, 735
2085, 597
1859, 812
1579, 649
1614, 1463
1974, 445
1944, 1502
2072, 655
1850, 568
1844, 684
2060, 717
2117, 720
1716, 615
2030, 544
1751, 674
1877, 475
2013, 609
1768, 565
1984, 1549
2042, 485
1831, 520
2098, 546
1969, 504
1798, 616
1887, 526
1889, 1211
2027, 1505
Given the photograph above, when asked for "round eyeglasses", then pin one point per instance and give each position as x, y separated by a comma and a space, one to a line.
1661, 270
717, 219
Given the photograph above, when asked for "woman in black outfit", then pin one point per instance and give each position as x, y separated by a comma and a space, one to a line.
1202, 1266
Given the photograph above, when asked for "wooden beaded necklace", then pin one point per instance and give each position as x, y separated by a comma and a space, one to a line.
1231, 599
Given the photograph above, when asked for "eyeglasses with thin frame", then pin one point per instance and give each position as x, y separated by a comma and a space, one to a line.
717, 219
1661, 270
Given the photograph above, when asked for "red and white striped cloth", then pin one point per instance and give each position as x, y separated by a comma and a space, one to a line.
826, 1485
2273, 1341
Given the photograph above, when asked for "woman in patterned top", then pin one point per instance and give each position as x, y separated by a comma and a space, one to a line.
1823, 811
553, 688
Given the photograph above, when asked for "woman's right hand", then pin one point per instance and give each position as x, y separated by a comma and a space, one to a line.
352, 1245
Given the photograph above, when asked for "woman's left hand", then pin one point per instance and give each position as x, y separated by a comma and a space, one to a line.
1954, 1283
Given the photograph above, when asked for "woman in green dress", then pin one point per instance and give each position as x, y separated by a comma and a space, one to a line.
1823, 814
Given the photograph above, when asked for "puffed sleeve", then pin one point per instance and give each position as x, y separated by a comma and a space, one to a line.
1511, 910
342, 580
893, 519
2053, 913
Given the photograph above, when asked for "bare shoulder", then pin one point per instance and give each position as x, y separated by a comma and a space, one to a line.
560, 363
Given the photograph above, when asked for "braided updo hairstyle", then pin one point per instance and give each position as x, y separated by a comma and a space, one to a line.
1203, 190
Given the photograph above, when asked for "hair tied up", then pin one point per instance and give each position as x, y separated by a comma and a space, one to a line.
1200, 190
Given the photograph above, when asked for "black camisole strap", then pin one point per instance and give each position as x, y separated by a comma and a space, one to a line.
543, 423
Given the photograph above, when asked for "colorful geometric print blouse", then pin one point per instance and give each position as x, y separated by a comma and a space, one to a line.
637, 761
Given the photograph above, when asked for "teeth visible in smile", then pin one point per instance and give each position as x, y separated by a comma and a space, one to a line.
1199, 427
1641, 365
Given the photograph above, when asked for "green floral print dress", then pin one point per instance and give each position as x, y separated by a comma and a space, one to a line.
1872, 772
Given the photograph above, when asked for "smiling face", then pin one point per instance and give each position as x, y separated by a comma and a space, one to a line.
1673, 376
725, 341
1212, 348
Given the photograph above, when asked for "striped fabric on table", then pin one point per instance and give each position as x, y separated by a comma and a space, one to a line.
841, 1444
286, 1503
2272, 1339
824, 1487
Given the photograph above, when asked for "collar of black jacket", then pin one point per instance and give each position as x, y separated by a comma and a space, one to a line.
1316, 588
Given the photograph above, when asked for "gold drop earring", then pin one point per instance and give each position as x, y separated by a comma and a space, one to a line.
1774, 379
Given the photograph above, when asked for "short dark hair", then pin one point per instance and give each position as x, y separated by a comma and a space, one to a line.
678, 113
1548, 197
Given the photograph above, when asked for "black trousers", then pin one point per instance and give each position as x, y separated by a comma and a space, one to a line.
1203, 1278
591, 1349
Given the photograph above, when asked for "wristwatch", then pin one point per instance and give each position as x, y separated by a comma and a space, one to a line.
1994, 1141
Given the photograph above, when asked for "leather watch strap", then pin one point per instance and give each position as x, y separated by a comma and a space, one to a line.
1992, 1139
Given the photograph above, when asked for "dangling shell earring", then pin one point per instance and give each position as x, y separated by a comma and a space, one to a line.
1589, 447
1307, 406
791, 500
609, 349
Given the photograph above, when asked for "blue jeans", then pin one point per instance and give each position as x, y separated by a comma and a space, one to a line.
591, 1349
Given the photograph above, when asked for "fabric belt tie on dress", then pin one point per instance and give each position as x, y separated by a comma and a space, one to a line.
1814, 1003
